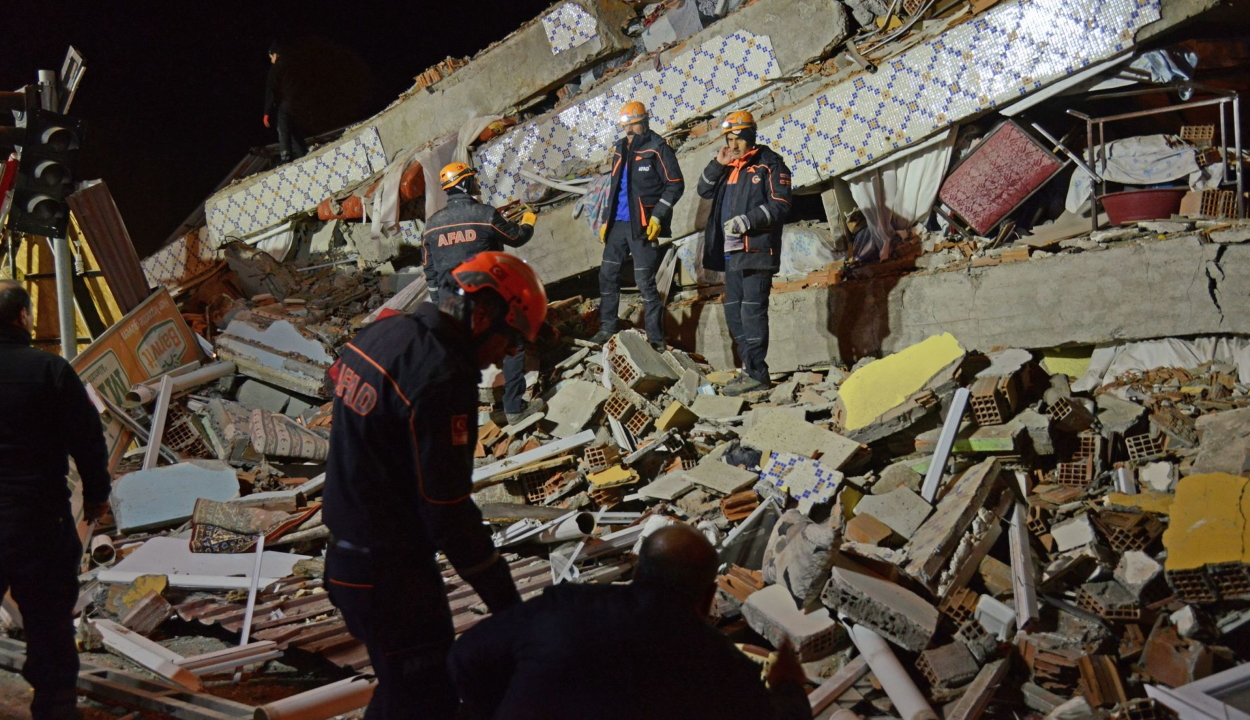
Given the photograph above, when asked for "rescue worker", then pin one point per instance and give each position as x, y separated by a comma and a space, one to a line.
399, 476
749, 186
674, 664
462, 229
46, 418
646, 184
280, 96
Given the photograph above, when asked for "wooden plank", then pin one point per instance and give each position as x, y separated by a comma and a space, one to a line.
841, 681
978, 695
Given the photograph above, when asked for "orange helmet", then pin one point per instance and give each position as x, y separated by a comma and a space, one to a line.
453, 173
633, 112
515, 281
738, 120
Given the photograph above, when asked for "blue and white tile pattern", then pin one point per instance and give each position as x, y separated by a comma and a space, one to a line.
568, 26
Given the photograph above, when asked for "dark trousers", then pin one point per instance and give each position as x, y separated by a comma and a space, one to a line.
39, 556
513, 374
395, 603
746, 312
514, 383
290, 139
620, 244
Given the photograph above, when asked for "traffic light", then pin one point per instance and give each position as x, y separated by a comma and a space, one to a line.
50, 146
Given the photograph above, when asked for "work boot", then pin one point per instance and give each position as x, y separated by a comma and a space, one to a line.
658, 345
533, 407
743, 385
601, 337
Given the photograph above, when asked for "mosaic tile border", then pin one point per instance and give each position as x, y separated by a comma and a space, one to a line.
695, 82
1011, 50
569, 26
295, 188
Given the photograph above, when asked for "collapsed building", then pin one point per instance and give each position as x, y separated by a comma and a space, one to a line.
1003, 468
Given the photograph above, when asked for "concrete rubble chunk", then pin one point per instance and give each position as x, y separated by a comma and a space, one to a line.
781, 431
898, 614
950, 665
720, 477
1136, 569
868, 530
1157, 476
1224, 443
573, 406
165, 496
798, 556
717, 407
147, 614
667, 487
932, 545
1073, 533
898, 475
771, 612
1118, 416
901, 509
686, 389
637, 364
677, 417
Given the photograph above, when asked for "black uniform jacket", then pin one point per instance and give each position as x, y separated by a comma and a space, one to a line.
399, 473
45, 417
627, 651
758, 186
655, 181
462, 229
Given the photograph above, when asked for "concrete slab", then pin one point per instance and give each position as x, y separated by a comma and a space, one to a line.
781, 431
810, 482
719, 477
1157, 476
573, 406
253, 394
934, 543
996, 306
902, 510
676, 416
898, 614
667, 487
1224, 443
165, 496
899, 475
1073, 533
772, 612
717, 407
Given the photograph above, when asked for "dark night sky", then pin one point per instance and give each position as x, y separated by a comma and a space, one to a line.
173, 93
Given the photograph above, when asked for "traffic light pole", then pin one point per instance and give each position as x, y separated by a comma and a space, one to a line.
64, 260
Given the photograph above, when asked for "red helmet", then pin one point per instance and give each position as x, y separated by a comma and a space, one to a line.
515, 281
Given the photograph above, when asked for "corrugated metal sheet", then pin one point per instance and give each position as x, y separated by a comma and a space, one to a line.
105, 232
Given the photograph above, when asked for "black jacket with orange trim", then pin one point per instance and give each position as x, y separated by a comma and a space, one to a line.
400, 468
655, 181
758, 187
463, 229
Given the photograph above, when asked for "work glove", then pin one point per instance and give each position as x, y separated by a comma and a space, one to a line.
529, 218
266, 121
737, 225
603, 233
653, 229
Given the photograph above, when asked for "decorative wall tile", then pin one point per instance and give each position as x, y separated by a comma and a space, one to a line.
1011, 50
695, 82
568, 26
179, 260
295, 188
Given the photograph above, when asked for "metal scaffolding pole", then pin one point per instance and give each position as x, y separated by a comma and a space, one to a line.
65, 297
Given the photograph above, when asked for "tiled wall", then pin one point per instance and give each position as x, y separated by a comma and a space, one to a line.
1009, 51
295, 188
568, 25
697, 81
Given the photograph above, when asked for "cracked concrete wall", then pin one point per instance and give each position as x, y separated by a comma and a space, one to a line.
1176, 287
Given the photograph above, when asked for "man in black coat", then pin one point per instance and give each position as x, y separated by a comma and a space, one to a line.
462, 229
749, 186
643, 650
280, 96
46, 418
399, 477
646, 184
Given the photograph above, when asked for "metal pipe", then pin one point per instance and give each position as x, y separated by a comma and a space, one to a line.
553, 184
159, 415
47, 90
937, 465
1089, 152
102, 551
65, 297
909, 703
144, 393
320, 703
1241, 200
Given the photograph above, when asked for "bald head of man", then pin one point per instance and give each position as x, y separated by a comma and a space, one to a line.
14, 306
678, 559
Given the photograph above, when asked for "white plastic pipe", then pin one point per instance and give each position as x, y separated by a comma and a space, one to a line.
573, 528
102, 551
552, 183
144, 393
320, 703
909, 703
